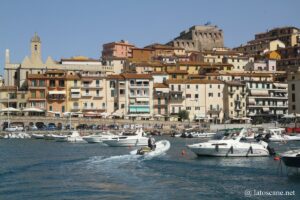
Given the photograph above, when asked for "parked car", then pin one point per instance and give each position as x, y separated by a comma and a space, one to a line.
82, 126
51, 127
40, 125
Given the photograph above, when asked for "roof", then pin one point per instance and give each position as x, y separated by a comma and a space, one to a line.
35, 38
160, 85
159, 73
56, 71
115, 76
177, 72
203, 63
162, 46
195, 81
136, 76
235, 83
125, 43
5, 88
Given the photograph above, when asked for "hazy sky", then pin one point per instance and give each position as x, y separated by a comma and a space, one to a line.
80, 27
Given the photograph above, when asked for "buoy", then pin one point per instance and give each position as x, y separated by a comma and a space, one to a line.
276, 158
183, 152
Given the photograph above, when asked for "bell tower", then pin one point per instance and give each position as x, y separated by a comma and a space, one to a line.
36, 47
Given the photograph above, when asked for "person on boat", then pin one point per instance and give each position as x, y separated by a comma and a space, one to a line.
151, 143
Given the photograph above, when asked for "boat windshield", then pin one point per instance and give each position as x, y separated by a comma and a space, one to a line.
227, 134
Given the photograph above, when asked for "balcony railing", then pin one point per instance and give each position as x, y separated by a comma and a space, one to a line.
74, 96
59, 97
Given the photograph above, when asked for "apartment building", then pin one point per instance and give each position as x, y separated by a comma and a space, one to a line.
293, 92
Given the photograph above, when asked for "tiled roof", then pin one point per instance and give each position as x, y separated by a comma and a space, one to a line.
195, 81
160, 85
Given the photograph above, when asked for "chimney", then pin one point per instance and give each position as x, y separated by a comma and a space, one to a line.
7, 57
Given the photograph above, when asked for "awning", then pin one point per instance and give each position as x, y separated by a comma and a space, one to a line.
142, 99
251, 101
280, 85
266, 109
10, 109
260, 92
57, 92
75, 90
32, 110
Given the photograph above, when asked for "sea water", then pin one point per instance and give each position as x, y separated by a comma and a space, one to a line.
38, 169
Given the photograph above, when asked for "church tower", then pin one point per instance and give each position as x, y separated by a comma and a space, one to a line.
36, 48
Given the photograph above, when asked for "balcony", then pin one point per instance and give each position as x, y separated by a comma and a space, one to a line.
138, 95
75, 96
37, 86
88, 108
56, 97
214, 111
86, 95
176, 96
139, 86
231, 92
98, 96
75, 108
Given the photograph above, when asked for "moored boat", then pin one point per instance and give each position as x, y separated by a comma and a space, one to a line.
231, 144
291, 158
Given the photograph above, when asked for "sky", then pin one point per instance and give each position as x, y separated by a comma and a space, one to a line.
80, 27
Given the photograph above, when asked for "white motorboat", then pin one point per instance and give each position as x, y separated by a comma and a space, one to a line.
17, 135
98, 137
291, 158
73, 136
49, 136
162, 147
231, 144
128, 140
14, 128
37, 136
279, 135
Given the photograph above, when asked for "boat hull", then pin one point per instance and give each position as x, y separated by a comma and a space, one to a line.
291, 161
126, 142
229, 151
161, 147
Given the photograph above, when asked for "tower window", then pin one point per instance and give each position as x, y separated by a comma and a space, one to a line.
35, 47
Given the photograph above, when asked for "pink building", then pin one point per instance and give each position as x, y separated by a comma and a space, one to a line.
120, 49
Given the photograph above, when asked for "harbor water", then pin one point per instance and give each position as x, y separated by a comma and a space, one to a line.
39, 169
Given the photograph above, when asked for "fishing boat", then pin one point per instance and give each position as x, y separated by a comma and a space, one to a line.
37, 136
162, 147
138, 139
231, 144
291, 158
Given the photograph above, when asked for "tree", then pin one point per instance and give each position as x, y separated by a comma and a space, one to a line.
183, 115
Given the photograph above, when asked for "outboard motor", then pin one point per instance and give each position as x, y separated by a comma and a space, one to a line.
271, 150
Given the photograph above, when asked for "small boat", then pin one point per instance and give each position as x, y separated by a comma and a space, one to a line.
37, 136
138, 139
231, 144
14, 128
291, 158
73, 137
49, 136
162, 147
279, 135
98, 138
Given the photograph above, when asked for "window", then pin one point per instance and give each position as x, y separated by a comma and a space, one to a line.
197, 108
63, 109
293, 97
42, 83
35, 47
61, 83
172, 87
112, 93
210, 86
188, 86
33, 83
293, 87
75, 83
188, 95
210, 94
112, 84
50, 108
97, 93
188, 108
231, 104
87, 91
97, 83
219, 86
196, 96
122, 105
42, 94
122, 92
294, 107
33, 94
197, 87
179, 87
85, 105
52, 83
103, 105
92, 105
219, 94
